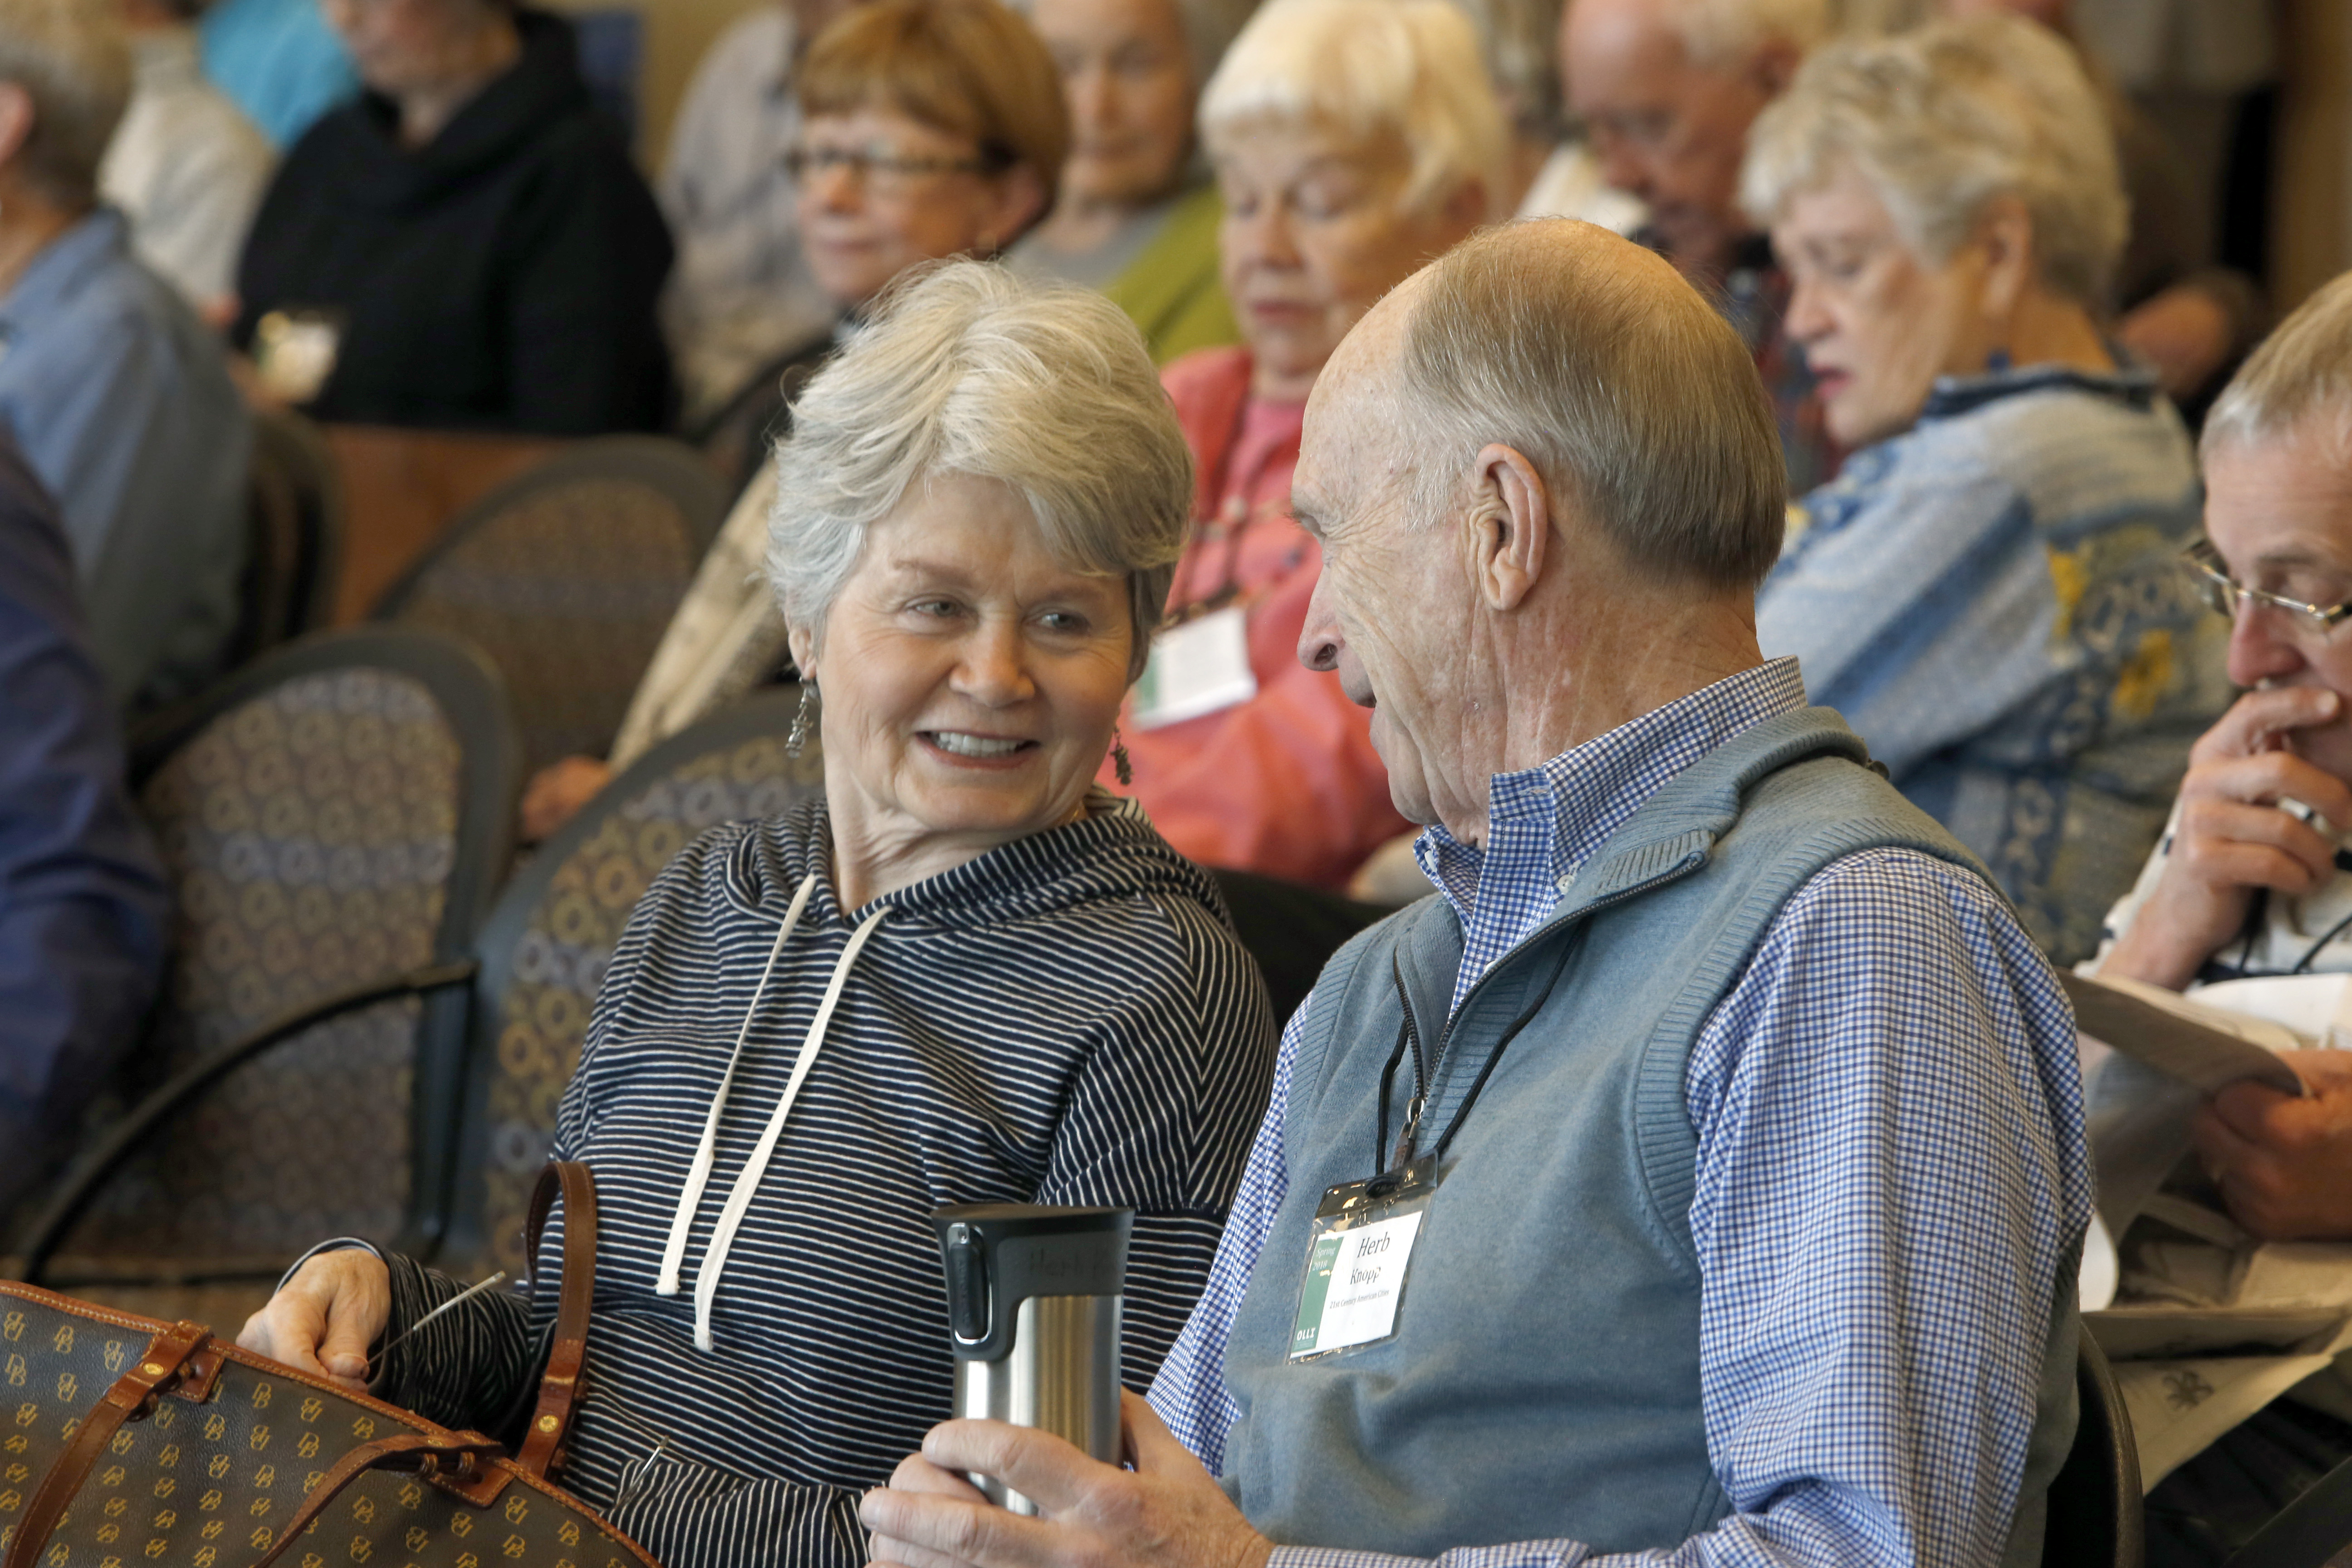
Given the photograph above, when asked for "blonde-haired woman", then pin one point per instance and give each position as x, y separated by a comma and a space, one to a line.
1353, 141
1987, 590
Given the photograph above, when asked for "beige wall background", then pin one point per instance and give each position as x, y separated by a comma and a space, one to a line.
676, 33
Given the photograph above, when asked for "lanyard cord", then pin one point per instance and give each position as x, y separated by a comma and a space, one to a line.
1410, 1031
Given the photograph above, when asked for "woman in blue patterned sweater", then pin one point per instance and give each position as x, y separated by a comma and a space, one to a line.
1988, 590
1018, 991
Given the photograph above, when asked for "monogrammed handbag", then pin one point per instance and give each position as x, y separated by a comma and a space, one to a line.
129, 1443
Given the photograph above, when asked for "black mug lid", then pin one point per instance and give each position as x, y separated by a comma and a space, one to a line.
998, 1256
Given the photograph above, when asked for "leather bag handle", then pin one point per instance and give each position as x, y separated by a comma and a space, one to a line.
559, 1389
132, 1395
402, 1450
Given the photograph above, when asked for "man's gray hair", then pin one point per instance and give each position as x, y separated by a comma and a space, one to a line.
964, 369
72, 58
1520, 40
1370, 70
2300, 378
1945, 120
1631, 395
1724, 33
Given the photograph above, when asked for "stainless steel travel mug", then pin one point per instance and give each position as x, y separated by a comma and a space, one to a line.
1033, 1298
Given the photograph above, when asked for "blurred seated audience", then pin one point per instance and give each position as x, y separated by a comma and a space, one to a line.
186, 165
1354, 141
1138, 216
82, 903
467, 247
2189, 318
1551, 170
932, 128
743, 293
280, 62
1666, 90
986, 492
118, 396
2249, 880
1987, 591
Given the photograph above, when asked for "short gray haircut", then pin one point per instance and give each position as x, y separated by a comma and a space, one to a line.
964, 369
1370, 70
2300, 378
1942, 122
1632, 396
73, 61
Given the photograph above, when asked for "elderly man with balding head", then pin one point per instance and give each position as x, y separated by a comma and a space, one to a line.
1701, 1172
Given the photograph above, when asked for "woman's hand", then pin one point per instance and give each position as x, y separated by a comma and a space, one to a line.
2232, 837
557, 794
326, 1317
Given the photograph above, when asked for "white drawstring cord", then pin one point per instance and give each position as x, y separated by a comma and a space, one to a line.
689, 1197
730, 1218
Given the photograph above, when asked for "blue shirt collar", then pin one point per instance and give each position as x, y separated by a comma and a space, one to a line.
1545, 822
81, 252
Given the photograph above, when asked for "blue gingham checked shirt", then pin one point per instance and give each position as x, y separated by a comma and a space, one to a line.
1891, 1175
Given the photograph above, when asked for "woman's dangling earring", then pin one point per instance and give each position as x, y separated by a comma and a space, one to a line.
1120, 761
802, 719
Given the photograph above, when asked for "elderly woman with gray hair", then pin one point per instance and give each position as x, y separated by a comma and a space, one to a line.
1354, 141
1020, 993
1987, 591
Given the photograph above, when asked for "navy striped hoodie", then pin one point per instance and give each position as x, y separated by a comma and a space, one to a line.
1065, 1019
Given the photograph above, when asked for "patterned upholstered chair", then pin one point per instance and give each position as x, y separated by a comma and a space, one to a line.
295, 538
333, 821
543, 949
567, 577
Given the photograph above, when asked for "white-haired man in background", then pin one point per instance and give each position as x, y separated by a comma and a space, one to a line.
1703, 1173
1667, 89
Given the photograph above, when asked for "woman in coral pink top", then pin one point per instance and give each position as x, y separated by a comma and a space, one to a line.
1354, 140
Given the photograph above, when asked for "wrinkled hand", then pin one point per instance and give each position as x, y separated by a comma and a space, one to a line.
2285, 1164
1166, 1513
2232, 837
556, 794
326, 1317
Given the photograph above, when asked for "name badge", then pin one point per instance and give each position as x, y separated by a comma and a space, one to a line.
295, 351
1357, 1258
1197, 667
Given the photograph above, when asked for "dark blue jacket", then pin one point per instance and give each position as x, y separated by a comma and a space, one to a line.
82, 901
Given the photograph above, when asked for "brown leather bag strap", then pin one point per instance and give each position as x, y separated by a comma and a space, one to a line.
132, 1394
559, 1389
402, 1450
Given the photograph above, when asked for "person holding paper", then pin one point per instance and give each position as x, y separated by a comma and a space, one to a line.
1727, 1209
1353, 139
2249, 878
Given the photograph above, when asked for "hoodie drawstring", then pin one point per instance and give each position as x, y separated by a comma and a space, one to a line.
689, 1197
746, 1183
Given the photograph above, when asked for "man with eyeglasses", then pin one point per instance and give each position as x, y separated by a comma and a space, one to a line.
1666, 90
2250, 877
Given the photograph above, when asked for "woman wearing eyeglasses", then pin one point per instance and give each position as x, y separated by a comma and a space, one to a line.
932, 129
1989, 590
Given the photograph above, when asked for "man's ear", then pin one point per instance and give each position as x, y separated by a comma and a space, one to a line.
16, 120
1509, 528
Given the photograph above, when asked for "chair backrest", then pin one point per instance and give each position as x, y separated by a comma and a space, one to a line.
544, 948
2096, 1518
292, 451
334, 814
567, 577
